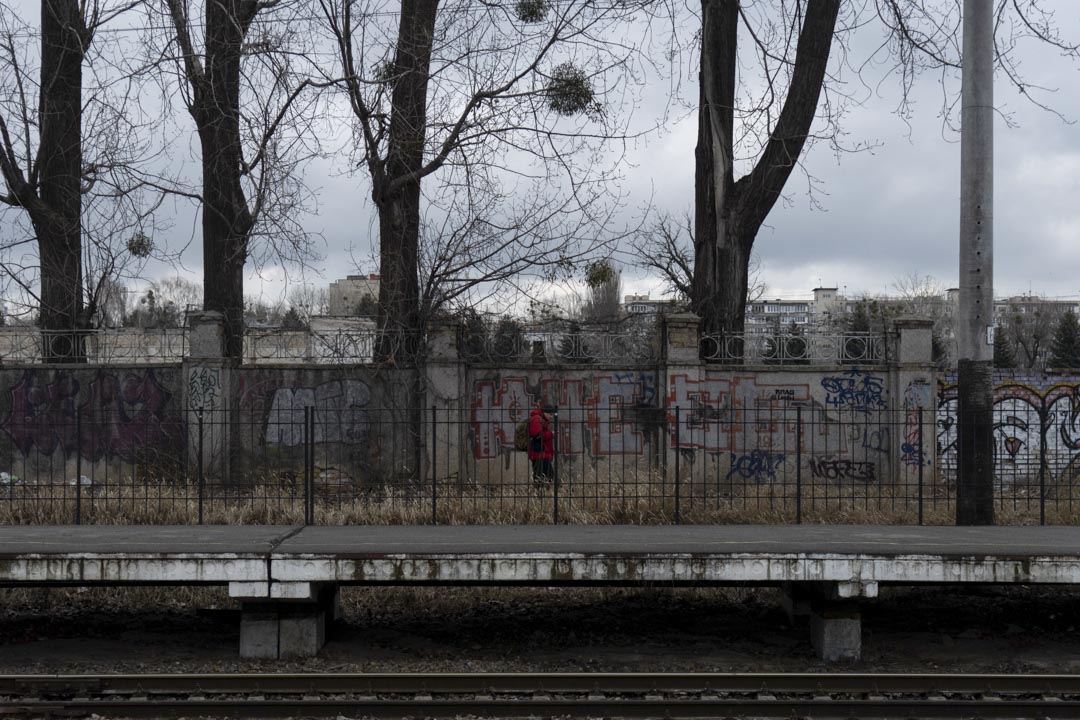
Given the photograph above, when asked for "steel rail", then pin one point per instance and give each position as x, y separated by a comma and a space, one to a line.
551, 682
676, 695
560, 707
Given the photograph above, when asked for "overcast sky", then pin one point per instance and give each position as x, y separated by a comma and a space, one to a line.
883, 213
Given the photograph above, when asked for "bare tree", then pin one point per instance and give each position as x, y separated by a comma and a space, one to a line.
924, 296
309, 301
165, 302
42, 163
74, 161
603, 284
251, 115
498, 99
667, 248
758, 108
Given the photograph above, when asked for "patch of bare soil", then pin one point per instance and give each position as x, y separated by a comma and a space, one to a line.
463, 629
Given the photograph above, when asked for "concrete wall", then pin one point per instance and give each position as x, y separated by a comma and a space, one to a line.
1036, 423
373, 425
127, 417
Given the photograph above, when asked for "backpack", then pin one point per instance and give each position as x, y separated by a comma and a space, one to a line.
521, 436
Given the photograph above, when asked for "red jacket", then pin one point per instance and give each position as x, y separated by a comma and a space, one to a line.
539, 426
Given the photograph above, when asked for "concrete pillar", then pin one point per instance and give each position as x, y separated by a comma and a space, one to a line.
975, 321
291, 624
681, 357
682, 343
912, 342
207, 379
913, 387
835, 620
447, 385
836, 630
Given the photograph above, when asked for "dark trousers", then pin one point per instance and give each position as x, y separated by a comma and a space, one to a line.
543, 471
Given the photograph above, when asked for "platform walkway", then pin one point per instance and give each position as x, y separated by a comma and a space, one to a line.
286, 578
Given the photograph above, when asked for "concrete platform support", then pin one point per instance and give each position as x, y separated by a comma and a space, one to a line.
836, 630
272, 629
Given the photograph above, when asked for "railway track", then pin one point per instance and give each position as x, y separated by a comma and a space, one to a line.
666, 695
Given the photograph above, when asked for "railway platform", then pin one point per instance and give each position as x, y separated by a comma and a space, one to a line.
286, 578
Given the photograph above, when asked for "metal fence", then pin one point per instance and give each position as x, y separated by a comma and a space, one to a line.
453, 464
788, 348
104, 346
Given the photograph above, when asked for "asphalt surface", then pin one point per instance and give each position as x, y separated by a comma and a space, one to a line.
397, 540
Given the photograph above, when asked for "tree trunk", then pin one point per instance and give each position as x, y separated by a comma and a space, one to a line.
399, 290
396, 191
729, 213
718, 255
226, 218
57, 220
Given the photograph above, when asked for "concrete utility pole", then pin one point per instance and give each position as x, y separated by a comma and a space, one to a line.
975, 412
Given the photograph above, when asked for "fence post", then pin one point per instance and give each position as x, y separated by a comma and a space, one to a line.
922, 461
678, 487
434, 457
555, 470
1042, 474
199, 415
798, 464
311, 465
307, 465
311, 454
78, 465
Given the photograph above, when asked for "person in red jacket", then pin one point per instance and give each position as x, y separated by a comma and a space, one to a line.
542, 444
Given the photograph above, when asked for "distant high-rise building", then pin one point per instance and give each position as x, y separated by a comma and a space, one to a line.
348, 296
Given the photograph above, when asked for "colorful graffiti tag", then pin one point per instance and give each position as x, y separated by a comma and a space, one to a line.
598, 416
111, 415
1036, 426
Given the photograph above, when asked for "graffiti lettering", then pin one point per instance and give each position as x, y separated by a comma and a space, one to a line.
757, 465
595, 416
1036, 427
204, 388
340, 408
854, 391
839, 469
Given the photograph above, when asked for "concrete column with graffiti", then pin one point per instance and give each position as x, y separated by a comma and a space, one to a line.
207, 376
446, 389
913, 383
682, 360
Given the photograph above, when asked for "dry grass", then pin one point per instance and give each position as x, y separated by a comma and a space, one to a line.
640, 499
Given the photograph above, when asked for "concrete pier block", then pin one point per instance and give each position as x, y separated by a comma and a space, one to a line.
301, 631
273, 630
836, 631
258, 633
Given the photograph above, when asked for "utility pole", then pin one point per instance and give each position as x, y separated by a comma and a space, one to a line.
975, 411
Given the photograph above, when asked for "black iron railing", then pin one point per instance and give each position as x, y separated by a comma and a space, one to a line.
340, 464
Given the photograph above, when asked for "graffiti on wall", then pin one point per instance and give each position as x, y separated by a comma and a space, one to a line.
1036, 427
916, 399
204, 388
106, 414
727, 414
340, 408
752, 428
855, 390
599, 416
756, 427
